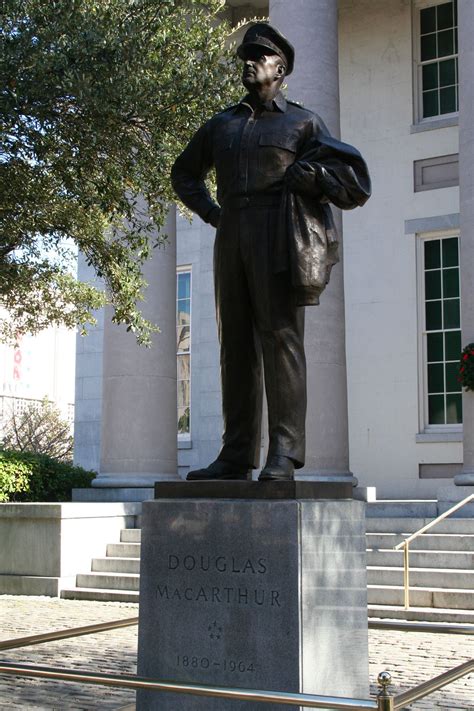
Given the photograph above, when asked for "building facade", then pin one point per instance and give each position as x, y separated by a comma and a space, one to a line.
395, 79
36, 368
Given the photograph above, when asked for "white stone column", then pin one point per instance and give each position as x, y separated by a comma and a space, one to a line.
139, 425
312, 28
466, 198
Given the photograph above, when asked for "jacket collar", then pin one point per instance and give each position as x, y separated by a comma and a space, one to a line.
277, 104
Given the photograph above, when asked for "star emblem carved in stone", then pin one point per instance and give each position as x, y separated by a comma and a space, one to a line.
215, 630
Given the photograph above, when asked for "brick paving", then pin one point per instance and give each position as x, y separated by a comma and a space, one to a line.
410, 657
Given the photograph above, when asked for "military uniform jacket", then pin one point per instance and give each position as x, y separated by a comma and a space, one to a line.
251, 149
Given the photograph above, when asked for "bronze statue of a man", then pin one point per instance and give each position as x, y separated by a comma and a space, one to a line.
277, 169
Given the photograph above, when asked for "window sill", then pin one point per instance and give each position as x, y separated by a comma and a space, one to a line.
185, 444
427, 437
432, 124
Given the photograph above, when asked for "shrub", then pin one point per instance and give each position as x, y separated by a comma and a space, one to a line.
14, 475
26, 476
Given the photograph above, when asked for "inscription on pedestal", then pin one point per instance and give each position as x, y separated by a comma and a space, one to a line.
252, 594
225, 601
218, 594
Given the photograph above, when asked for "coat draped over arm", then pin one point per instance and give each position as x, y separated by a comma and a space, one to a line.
307, 242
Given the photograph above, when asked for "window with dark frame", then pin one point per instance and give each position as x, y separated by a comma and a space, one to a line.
438, 54
183, 349
442, 330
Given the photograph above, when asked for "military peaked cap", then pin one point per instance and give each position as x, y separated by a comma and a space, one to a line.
263, 34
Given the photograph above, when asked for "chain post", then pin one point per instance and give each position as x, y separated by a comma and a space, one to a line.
385, 700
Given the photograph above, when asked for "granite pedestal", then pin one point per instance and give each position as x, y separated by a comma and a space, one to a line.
243, 588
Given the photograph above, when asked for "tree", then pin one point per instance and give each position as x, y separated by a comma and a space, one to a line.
41, 429
98, 99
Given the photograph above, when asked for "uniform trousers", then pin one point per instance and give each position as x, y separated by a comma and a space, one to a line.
258, 320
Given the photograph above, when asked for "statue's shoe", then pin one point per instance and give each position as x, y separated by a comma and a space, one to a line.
219, 470
278, 468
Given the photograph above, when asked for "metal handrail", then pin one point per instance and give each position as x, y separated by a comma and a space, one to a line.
400, 626
66, 633
430, 627
314, 701
427, 687
406, 545
436, 520
385, 701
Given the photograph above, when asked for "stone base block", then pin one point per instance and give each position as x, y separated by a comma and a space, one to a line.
34, 585
262, 594
365, 493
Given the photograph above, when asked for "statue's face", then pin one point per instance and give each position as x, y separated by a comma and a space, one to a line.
261, 68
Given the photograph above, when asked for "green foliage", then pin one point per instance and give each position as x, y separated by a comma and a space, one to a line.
14, 475
466, 367
40, 428
98, 98
25, 476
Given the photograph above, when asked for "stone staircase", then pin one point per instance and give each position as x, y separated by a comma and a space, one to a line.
441, 566
115, 577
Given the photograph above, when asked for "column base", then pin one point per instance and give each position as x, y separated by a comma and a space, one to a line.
465, 478
332, 476
131, 486
133, 479
136, 494
449, 496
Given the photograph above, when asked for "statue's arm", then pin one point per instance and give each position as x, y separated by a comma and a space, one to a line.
189, 172
334, 169
301, 177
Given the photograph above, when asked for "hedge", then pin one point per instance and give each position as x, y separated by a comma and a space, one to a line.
25, 476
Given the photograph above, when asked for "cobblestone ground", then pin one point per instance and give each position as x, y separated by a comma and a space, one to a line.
410, 657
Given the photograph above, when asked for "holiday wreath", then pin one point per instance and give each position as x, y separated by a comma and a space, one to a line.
466, 367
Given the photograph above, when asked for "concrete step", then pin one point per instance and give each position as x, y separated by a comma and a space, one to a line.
420, 614
421, 597
466, 511
400, 525
422, 577
116, 565
100, 594
406, 509
123, 550
110, 581
427, 541
422, 559
130, 535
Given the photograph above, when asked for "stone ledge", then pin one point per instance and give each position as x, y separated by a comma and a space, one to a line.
69, 510
34, 584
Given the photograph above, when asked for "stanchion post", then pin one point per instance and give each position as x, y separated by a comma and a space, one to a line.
385, 700
406, 574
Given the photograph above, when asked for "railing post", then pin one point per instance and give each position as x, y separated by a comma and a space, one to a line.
385, 700
406, 574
